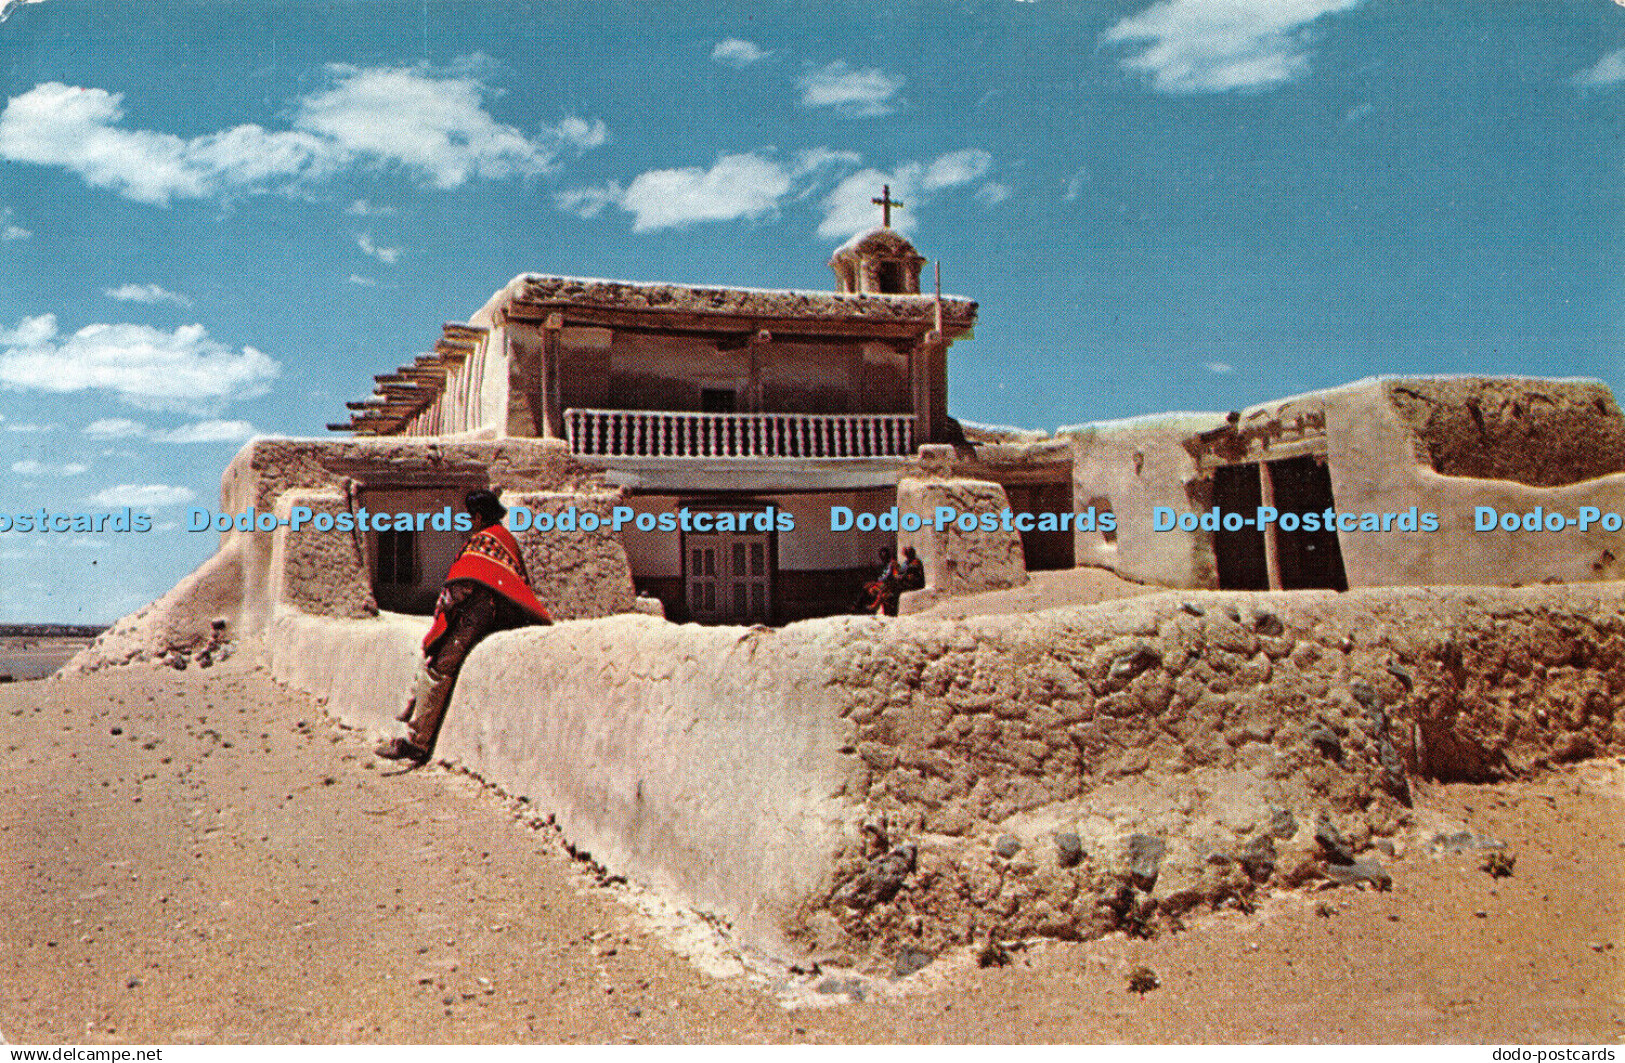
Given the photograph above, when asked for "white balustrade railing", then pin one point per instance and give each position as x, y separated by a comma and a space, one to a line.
670, 434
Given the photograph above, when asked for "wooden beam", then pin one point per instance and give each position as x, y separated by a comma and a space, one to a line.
730, 326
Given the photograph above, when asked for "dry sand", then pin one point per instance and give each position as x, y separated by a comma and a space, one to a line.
206, 857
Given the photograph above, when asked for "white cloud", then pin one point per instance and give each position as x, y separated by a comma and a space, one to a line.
993, 193
31, 331
386, 255
29, 428
847, 209
1607, 72
8, 7
737, 53
1076, 184
147, 367
1191, 46
856, 93
362, 208
146, 293
814, 160
433, 126
207, 432
1219, 367
955, 168
141, 496
590, 202
360, 281
737, 186
756, 184
114, 428
37, 469
76, 128
10, 231
582, 134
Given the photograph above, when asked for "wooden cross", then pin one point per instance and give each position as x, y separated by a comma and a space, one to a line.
885, 203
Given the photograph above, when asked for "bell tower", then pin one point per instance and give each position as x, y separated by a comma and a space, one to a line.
880, 261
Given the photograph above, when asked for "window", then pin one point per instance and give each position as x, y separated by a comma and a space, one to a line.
397, 558
718, 400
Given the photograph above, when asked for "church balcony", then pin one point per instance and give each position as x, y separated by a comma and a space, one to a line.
672, 434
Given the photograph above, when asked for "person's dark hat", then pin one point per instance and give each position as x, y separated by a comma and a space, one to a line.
483, 503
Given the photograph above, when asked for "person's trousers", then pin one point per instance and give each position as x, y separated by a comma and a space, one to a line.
471, 621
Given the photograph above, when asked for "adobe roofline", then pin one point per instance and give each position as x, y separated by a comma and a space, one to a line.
688, 308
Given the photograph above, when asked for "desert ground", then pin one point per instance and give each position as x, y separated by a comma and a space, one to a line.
203, 856
35, 656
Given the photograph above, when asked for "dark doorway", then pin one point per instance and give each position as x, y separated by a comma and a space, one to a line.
396, 581
1049, 548
1306, 559
1239, 554
718, 400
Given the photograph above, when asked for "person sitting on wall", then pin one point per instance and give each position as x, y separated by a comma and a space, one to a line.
913, 578
880, 594
485, 591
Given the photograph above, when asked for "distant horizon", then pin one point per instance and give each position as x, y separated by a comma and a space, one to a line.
222, 220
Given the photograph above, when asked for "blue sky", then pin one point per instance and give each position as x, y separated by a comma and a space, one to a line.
222, 218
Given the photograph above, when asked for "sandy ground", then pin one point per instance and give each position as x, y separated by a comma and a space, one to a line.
205, 857
34, 656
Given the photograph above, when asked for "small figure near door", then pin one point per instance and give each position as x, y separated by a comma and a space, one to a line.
880, 594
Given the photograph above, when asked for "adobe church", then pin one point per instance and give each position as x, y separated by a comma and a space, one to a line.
679, 397
668, 399
703, 399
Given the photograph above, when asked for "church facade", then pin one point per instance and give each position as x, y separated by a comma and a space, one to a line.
734, 423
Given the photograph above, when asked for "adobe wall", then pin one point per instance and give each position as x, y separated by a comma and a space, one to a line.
1375, 467
956, 561
1133, 466
1540, 432
853, 786
1442, 445
702, 760
1014, 760
253, 573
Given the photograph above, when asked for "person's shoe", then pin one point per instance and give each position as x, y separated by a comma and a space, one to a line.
401, 749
